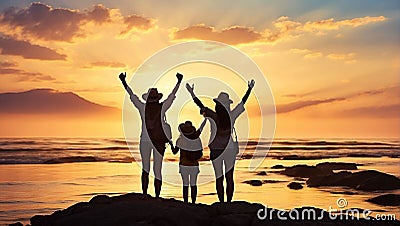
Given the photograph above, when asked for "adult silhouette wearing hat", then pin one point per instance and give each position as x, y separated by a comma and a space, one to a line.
223, 149
155, 131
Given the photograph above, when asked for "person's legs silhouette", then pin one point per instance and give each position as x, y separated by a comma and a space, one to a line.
157, 165
229, 185
185, 182
193, 183
185, 193
229, 162
193, 193
219, 181
145, 182
145, 152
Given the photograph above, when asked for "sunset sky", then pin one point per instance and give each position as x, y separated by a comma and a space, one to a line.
333, 66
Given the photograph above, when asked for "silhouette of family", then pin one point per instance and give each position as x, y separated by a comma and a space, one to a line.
156, 133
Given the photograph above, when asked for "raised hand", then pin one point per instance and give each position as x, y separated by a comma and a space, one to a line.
190, 88
251, 83
122, 76
179, 76
174, 150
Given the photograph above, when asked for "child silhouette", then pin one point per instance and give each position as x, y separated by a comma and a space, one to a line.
191, 150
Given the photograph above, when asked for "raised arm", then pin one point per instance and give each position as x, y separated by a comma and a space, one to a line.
122, 77
190, 89
250, 86
179, 76
201, 127
135, 99
171, 96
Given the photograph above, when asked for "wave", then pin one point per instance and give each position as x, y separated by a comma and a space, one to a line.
103, 193
71, 159
116, 150
317, 143
338, 143
66, 149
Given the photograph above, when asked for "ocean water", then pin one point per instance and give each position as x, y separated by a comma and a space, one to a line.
42, 175
53, 150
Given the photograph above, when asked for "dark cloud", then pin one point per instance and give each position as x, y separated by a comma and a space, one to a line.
100, 14
285, 108
333, 88
139, 22
9, 68
385, 111
6, 64
10, 46
47, 23
233, 35
390, 92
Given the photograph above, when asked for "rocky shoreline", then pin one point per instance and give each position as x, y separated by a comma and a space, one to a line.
324, 175
136, 209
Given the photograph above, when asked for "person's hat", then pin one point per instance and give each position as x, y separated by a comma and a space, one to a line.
223, 98
152, 95
187, 128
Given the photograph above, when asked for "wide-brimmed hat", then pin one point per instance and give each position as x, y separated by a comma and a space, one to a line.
152, 95
223, 98
187, 128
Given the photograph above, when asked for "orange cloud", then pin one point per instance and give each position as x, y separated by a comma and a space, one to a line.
283, 29
232, 35
139, 22
106, 64
10, 46
287, 29
313, 55
48, 23
309, 54
331, 24
347, 57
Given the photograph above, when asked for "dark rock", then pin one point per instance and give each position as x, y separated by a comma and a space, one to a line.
100, 199
246, 156
295, 186
136, 209
272, 181
300, 179
369, 180
253, 182
72, 159
343, 192
305, 171
297, 157
16, 224
278, 167
337, 166
262, 173
362, 155
386, 200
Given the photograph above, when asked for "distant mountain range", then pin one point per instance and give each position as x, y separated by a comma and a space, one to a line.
50, 101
